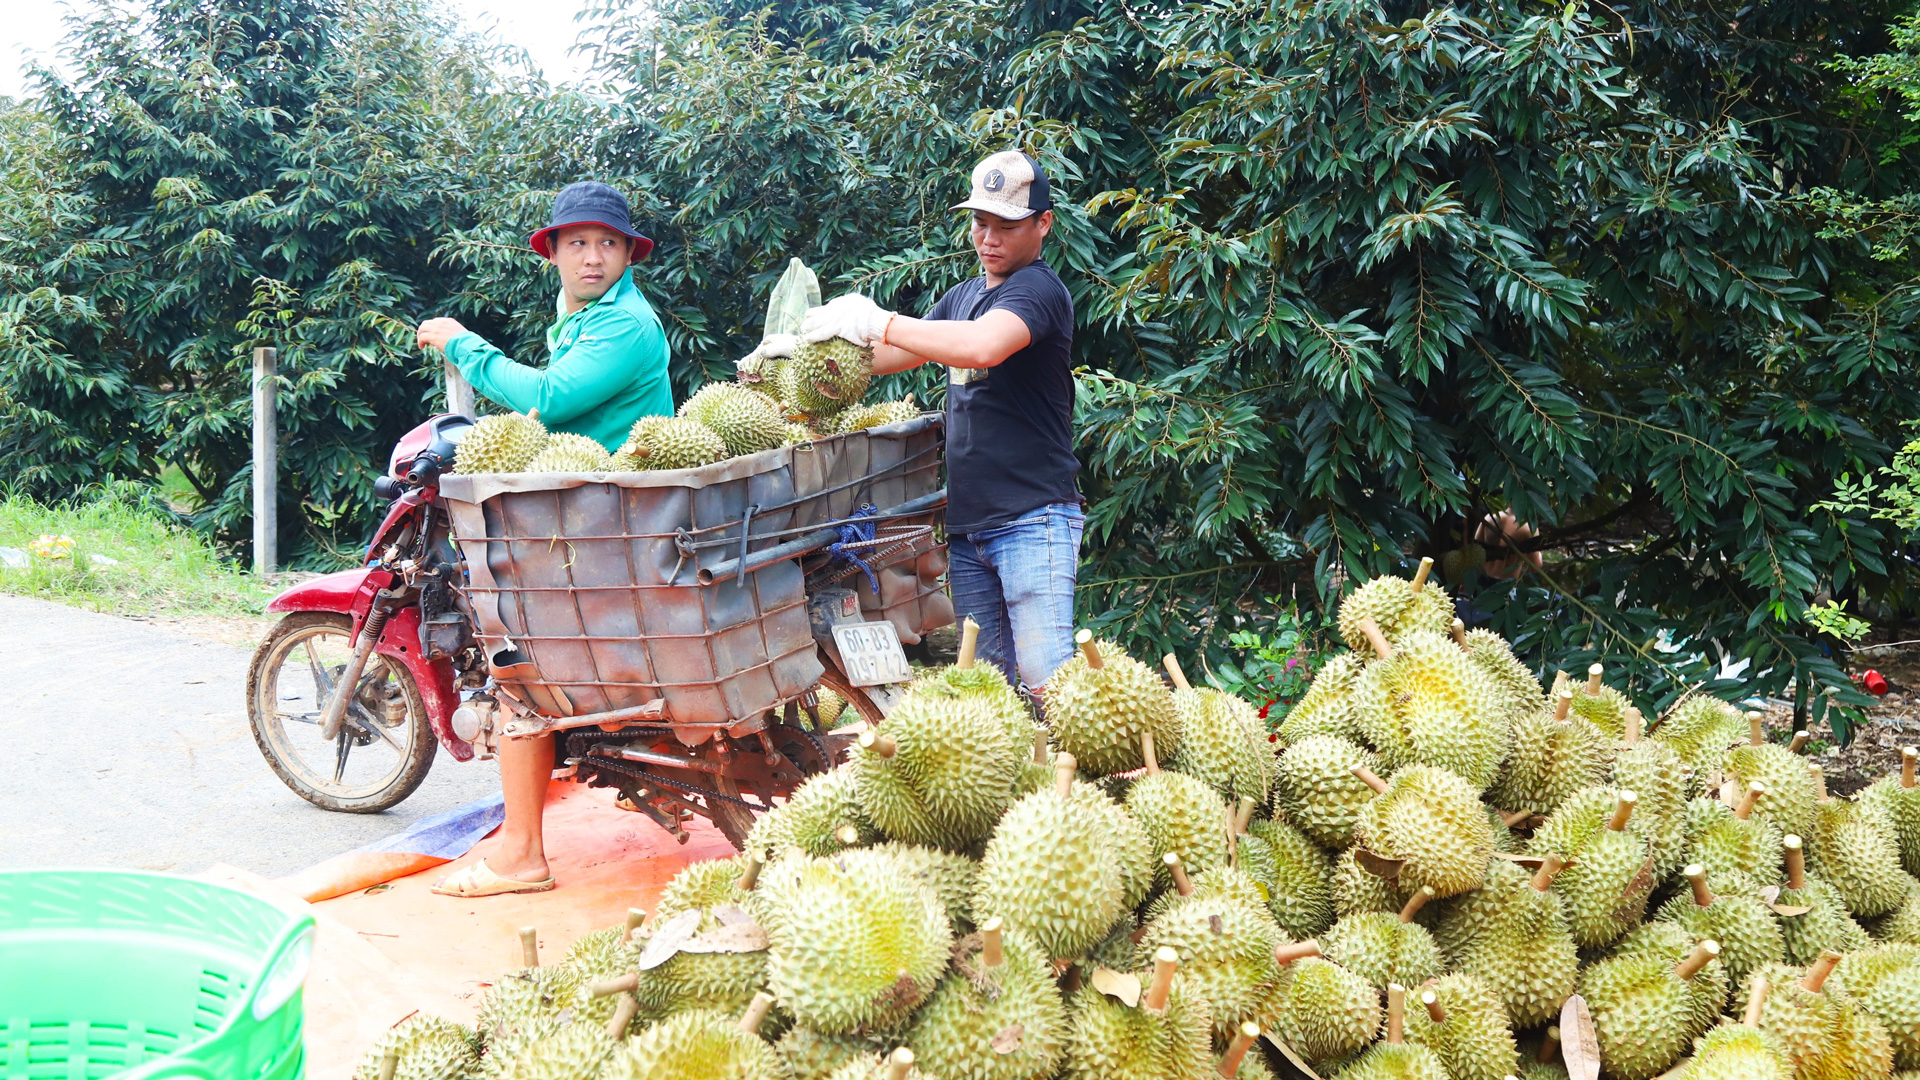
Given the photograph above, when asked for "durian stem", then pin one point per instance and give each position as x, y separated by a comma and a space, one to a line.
1563, 705
619, 984
1165, 961
389, 1062
991, 953
1909, 766
1819, 783
1178, 872
1636, 725
1147, 754
1749, 800
1701, 956
1593, 679
756, 1013
1756, 1001
1756, 734
1396, 1014
969, 640
635, 920
1237, 1050
1549, 1046
1796, 862
1063, 766
1550, 867
529, 947
1088, 649
884, 745
1379, 640
1174, 672
624, 1011
533, 414
1510, 818
1623, 806
900, 1064
1817, 972
1799, 744
1420, 575
1368, 778
751, 875
1436, 1012
1415, 902
1696, 876
1245, 816
1459, 630
1298, 950
847, 834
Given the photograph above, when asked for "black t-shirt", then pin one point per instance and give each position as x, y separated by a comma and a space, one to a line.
1010, 427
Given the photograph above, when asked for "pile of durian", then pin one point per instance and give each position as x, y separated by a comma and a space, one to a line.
1413, 880
815, 393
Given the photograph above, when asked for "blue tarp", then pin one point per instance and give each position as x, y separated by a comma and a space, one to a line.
449, 835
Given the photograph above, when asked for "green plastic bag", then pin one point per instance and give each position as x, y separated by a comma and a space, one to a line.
796, 291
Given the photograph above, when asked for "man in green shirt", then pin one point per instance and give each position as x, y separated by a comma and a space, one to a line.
607, 369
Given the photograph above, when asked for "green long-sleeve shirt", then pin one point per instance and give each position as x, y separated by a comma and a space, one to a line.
608, 368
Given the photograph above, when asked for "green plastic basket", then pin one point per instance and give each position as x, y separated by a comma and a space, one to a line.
136, 975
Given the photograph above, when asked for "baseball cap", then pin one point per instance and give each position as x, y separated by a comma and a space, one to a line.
1010, 185
589, 202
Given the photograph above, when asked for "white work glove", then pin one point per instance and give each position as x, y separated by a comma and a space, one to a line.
774, 347
852, 316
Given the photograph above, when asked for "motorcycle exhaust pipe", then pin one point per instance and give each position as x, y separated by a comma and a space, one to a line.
349, 680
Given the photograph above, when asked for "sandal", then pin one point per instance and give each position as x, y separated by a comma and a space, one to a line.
480, 880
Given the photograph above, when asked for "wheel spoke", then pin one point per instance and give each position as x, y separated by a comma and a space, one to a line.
298, 718
322, 685
344, 743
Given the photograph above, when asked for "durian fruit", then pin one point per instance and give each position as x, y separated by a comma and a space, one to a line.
1543, 1063
746, 421
1180, 814
899, 1065
1523, 951
1822, 1036
951, 875
1220, 882
1129, 844
501, 443
1394, 1058
1884, 981
1901, 927
1296, 874
1426, 703
1050, 871
1672, 944
423, 1048
1382, 948
671, 442
1824, 925
968, 677
1222, 740
1168, 1035
523, 1005
858, 944
1642, 1010
1734, 841
1788, 791
823, 378
812, 1055
1226, 949
579, 1049
1743, 924
1700, 729
1609, 876
1466, 1026
828, 707
1461, 919
938, 770
1655, 773
1357, 889
1742, 1051
1317, 790
724, 981
566, 452
1101, 701
1394, 607
700, 1044
1897, 801
879, 414
600, 956
1851, 850
821, 817
1516, 691
797, 435
1327, 706
1432, 821
1553, 754
1324, 1012
996, 1016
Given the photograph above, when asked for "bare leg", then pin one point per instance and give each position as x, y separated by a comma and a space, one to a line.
526, 766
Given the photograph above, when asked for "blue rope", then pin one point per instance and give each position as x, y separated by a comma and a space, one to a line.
856, 532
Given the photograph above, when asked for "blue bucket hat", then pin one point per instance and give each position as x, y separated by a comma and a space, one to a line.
589, 202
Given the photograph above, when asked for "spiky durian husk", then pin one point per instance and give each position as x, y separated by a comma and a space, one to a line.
1654, 772
879, 414
1428, 704
1395, 1061
1226, 948
1327, 706
1790, 790
1323, 1011
746, 421
1524, 953
1671, 943
1223, 742
1849, 848
520, 1002
1381, 949
964, 1031
1641, 1012
1737, 1052
1515, 688
700, 1044
1605, 710
1902, 927
1825, 925
566, 452
812, 1055
951, 876
1725, 844
1476, 1042
1221, 881
985, 682
858, 944
1315, 788
426, 1048
1131, 847
1432, 820
1456, 922
1296, 875
824, 378
1182, 815
813, 817
721, 981
951, 775
1049, 872
1549, 760
1885, 983
1356, 890
670, 442
1398, 610
829, 705
1610, 875
1899, 807
1098, 715
1822, 1036
501, 443
573, 1050
1743, 924
1109, 1040
797, 435
1700, 729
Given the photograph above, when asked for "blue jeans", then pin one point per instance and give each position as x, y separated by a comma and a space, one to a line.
1016, 581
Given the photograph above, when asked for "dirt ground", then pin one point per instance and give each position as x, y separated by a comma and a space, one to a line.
1892, 723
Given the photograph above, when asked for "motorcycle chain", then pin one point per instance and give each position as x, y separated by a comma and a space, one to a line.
641, 774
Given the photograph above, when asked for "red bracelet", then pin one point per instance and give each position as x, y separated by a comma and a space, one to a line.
891, 315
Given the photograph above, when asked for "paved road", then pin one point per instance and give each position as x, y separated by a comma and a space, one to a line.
125, 744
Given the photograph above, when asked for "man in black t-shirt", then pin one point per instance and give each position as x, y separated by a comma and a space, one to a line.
1006, 338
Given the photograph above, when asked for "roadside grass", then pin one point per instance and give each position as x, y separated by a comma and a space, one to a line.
151, 567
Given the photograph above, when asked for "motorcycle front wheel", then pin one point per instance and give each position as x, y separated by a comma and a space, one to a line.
385, 746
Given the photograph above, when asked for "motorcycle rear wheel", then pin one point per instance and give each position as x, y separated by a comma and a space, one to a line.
287, 687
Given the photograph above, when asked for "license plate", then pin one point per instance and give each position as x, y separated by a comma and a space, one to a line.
871, 653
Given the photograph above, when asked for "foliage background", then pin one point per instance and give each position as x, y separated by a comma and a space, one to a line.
1351, 275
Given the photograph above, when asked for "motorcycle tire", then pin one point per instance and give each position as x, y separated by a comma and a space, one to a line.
271, 734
